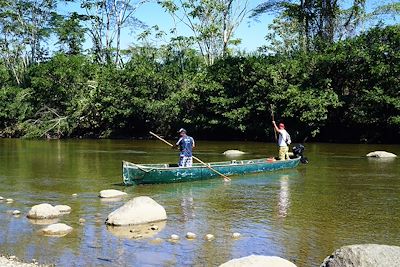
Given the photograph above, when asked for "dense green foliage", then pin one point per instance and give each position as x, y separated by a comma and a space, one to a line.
350, 91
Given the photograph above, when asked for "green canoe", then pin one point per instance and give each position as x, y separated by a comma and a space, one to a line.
163, 173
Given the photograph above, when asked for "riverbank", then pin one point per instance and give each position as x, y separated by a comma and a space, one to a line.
13, 261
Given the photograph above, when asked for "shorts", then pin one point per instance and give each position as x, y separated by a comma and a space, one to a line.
185, 161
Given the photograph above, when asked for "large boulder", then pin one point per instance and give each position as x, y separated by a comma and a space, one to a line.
43, 211
368, 255
233, 152
58, 229
258, 261
381, 154
139, 210
111, 193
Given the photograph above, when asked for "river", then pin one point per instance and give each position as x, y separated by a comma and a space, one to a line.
339, 198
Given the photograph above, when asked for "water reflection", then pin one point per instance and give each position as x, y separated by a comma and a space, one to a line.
137, 231
284, 196
187, 205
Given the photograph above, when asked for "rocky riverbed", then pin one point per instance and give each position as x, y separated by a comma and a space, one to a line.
12, 261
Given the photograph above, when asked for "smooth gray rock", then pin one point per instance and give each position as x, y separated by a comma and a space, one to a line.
43, 211
367, 255
190, 235
381, 154
258, 261
139, 210
58, 229
16, 212
233, 152
236, 235
111, 193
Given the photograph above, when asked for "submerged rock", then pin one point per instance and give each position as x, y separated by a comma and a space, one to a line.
58, 229
381, 154
111, 193
367, 255
43, 211
258, 261
136, 231
63, 208
139, 210
233, 153
156, 241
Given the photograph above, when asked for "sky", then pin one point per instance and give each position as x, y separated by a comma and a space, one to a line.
251, 32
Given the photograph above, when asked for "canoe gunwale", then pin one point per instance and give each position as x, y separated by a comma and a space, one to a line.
144, 168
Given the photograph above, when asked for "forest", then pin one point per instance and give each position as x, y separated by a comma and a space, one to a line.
322, 71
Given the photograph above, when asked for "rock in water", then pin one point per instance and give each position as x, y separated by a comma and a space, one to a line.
63, 208
174, 237
58, 229
110, 193
368, 255
9, 200
190, 235
233, 153
16, 212
381, 154
209, 237
1, 198
258, 261
43, 211
236, 235
139, 210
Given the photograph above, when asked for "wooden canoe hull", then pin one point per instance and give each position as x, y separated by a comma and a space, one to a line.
161, 173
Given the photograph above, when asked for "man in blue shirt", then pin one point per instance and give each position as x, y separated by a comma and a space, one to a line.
185, 145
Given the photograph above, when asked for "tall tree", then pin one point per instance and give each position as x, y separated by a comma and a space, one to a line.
212, 22
24, 27
315, 22
107, 18
70, 33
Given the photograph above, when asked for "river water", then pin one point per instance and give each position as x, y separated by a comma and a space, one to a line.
339, 198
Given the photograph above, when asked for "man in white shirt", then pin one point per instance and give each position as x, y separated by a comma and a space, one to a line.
283, 141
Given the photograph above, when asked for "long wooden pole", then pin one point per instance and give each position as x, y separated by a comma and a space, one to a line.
273, 119
226, 178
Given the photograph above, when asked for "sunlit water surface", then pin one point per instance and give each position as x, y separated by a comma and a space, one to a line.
340, 198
